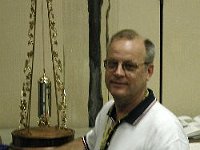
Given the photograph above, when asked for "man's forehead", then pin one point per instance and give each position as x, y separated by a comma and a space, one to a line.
124, 44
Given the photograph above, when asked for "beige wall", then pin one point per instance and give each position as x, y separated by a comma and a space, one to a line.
181, 56
181, 43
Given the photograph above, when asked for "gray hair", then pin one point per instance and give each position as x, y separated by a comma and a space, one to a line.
150, 51
130, 34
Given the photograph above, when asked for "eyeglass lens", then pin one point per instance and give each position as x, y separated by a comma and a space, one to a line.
126, 65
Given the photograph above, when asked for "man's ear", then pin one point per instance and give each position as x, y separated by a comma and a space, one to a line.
150, 69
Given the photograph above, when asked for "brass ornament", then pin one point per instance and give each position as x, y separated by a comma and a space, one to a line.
44, 135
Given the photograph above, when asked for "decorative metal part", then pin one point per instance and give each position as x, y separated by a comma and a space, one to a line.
62, 109
23, 108
57, 68
44, 100
25, 101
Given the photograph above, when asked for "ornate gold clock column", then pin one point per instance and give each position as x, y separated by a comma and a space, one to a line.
43, 135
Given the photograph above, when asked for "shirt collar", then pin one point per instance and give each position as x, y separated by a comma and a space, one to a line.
138, 112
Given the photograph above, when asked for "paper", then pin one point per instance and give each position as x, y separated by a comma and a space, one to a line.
194, 146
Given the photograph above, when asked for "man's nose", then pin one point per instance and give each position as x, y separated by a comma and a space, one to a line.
119, 70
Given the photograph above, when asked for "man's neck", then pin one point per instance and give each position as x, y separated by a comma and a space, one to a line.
124, 106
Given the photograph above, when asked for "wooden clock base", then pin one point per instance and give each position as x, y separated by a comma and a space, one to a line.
41, 137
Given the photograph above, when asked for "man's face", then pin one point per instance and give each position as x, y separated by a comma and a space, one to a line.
126, 74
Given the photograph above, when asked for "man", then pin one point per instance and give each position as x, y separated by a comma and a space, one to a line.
134, 120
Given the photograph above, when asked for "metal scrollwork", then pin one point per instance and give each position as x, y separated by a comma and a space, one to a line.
25, 100
57, 69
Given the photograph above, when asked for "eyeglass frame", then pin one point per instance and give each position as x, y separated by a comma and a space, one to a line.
124, 65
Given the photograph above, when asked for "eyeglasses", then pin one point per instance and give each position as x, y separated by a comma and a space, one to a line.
130, 66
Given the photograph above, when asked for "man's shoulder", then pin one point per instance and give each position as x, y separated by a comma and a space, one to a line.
160, 109
163, 116
105, 109
165, 122
108, 105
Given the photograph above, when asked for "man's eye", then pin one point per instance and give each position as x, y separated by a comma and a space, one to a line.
130, 66
112, 64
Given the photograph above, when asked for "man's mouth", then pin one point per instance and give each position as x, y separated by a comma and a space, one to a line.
118, 83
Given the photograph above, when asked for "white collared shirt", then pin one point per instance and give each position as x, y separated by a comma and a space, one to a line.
157, 129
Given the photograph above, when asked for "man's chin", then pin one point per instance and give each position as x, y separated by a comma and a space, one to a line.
118, 95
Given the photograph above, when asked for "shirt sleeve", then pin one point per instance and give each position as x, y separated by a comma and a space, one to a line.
90, 140
94, 136
91, 136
